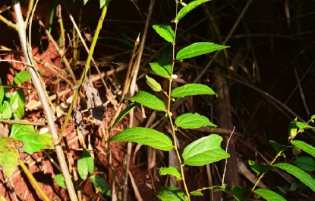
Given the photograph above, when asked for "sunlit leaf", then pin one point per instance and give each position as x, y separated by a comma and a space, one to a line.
258, 168
148, 100
170, 170
214, 189
204, 150
304, 146
124, 113
305, 163
171, 193
189, 7
198, 49
5, 110
154, 85
17, 101
146, 136
102, 3
60, 180
21, 77
84, 161
162, 67
101, 185
298, 173
190, 120
165, 31
303, 125
269, 195
1, 92
191, 90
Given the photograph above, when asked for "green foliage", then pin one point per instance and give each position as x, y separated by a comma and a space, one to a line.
198, 49
17, 101
305, 163
213, 188
192, 5
101, 185
170, 170
258, 168
124, 113
238, 193
192, 90
298, 173
269, 195
190, 120
85, 164
154, 85
146, 136
165, 31
162, 67
60, 180
304, 146
5, 110
204, 150
148, 100
171, 193
1, 92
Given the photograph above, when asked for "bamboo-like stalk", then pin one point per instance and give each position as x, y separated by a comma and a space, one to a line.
43, 98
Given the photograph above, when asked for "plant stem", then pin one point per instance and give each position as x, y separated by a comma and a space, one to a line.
33, 180
169, 110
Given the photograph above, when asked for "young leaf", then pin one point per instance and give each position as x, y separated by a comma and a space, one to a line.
148, 100
5, 110
198, 49
10, 150
60, 180
238, 193
190, 120
162, 67
124, 113
191, 90
298, 173
214, 189
189, 8
305, 163
101, 185
146, 136
154, 85
21, 77
304, 146
17, 101
1, 92
82, 168
102, 3
303, 125
258, 168
204, 150
171, 193
165, 31
170, 170
269, 195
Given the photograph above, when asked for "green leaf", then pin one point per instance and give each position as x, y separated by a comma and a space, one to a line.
204, 150
293, 128
33, 141
10, 150
191, 90
303, 125
170, 170
17, 103
162, 67
85, 1
154, 85
21, 77
304, 146
189, 7
60, 180
278, 147
258, 168
1, 92
165, 31
171, 193
214, 188
85, 164
198, 49
190, 120
269, 195
101, 185
293, 186
102, 3
148, 100
146, 136
237, 192
124, 113
305, 163
298, 173
5, 110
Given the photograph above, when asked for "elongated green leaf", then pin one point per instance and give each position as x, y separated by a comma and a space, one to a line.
269, 195
17, 101
190, 120
101, 185
124, 113
148, 100
189, 7
303, 125
198, 49
60, 180
298, 173
214, 189
204, 150
1, 92
304, 146
238, 193
171, 193
165, 31
258, 168
5, 110
154, 85
21, 77
162, 67
146, 136
278, 147
191, 90
305, 163
170, 170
